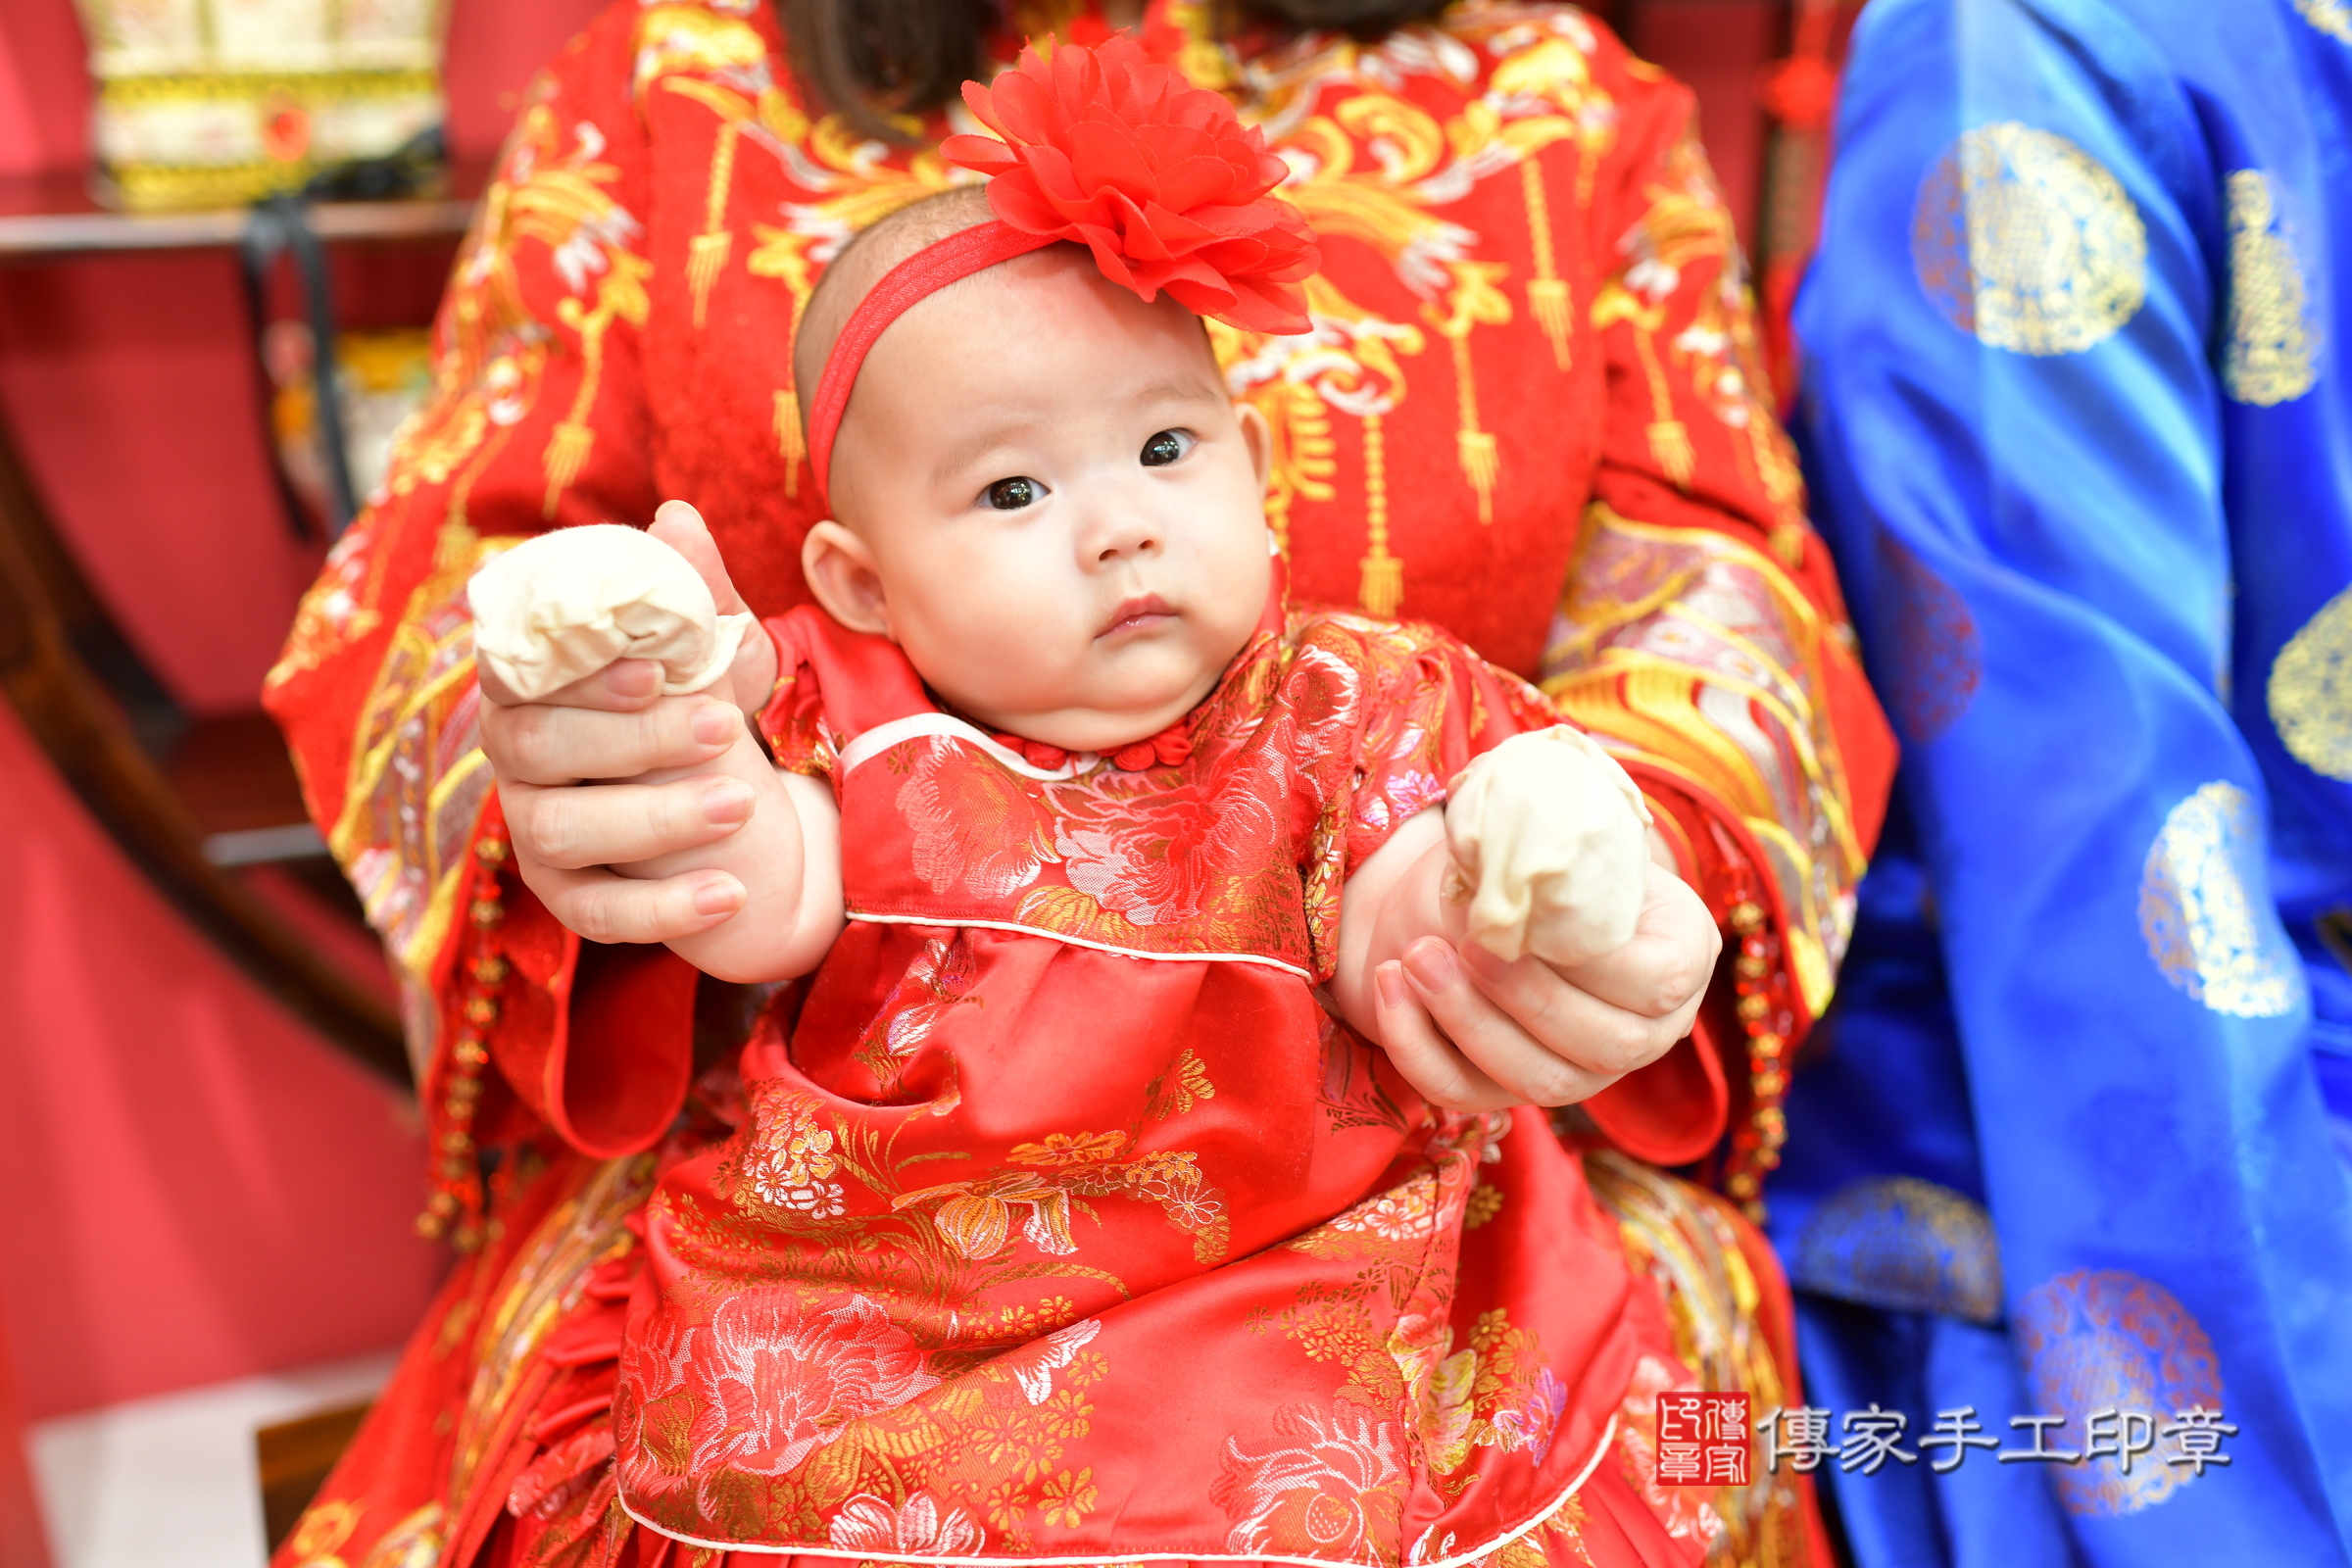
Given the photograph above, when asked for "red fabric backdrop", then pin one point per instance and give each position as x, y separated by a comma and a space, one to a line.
196, 1186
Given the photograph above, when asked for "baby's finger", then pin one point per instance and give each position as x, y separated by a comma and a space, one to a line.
1532, 1038
623, 686
752, 678
539, 744
1439, 1073
1665, 968
678, 526
571, 828
603, 908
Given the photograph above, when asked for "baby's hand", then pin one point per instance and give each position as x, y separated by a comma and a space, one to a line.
1522, 945
1551, 849
669, 753
560, 607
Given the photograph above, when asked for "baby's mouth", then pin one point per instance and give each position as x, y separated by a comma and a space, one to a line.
1137, 614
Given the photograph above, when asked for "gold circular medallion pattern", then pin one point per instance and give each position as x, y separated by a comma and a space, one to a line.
2200, 920
2269, 356
2024, 239
2310, 691
1934, 655
1903, 1243
2103, 1340
2330, 16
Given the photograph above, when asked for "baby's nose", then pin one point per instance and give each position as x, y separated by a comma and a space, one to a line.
1123, 535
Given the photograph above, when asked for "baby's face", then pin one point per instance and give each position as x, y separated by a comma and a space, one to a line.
1053, 505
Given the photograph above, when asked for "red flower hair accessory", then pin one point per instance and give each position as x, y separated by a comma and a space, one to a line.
1159, 178
1105, 148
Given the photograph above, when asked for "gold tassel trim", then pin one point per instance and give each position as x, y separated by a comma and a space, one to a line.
1476, 449
1788, 542
566, 454
706, 255
1482, 461
1382, 587
1548, 303
1669, 438
1670, 443
1546, 291
790, 443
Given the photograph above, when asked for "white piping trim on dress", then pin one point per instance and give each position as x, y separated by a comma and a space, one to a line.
882, 737
1081, 942
1608, 1435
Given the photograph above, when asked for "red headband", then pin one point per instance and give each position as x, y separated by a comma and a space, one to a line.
1108, 148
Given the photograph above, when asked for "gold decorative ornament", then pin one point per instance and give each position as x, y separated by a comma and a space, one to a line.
1548, 299
2310, 691
1903, 1243
2025, 240
216, 102
2100, 1341
413, 1543
382, 378
2268, 358
1476, 299
2330, 16
1934, 659
1382, 588
2197, 910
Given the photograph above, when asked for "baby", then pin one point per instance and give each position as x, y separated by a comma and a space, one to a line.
1076, 1218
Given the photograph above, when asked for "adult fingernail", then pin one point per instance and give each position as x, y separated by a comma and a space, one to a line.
1474, 954
727, 801
716, 723
1431, 962
1389, 981
633, 677
720, 896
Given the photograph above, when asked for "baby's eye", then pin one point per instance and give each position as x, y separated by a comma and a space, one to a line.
1166, 447
1011, 495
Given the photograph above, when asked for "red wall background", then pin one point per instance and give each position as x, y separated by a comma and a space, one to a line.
196, 1188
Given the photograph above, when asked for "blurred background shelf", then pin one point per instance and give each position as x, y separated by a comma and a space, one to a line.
45, 217
211, 1153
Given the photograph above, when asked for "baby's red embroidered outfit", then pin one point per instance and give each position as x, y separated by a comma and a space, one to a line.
1066, 1226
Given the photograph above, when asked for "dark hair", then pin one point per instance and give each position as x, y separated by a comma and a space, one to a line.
875, 59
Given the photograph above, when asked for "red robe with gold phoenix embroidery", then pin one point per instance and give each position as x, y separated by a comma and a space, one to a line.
1529, 412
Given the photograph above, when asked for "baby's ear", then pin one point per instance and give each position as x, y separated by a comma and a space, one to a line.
1257, 438
842, 573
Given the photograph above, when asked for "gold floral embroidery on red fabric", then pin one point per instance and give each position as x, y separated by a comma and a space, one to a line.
1320, 743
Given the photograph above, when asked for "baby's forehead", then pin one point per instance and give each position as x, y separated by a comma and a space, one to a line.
1055, 298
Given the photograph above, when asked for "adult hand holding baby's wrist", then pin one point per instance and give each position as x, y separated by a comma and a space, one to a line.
655, 760
566, 835
1472, 1032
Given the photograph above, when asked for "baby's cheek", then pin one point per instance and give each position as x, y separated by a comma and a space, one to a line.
989, 637
1244, 574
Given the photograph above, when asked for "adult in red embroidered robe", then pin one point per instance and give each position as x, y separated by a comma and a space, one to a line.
1529, 414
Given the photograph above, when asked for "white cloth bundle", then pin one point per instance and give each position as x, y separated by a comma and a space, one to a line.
568, 603
1549, 847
